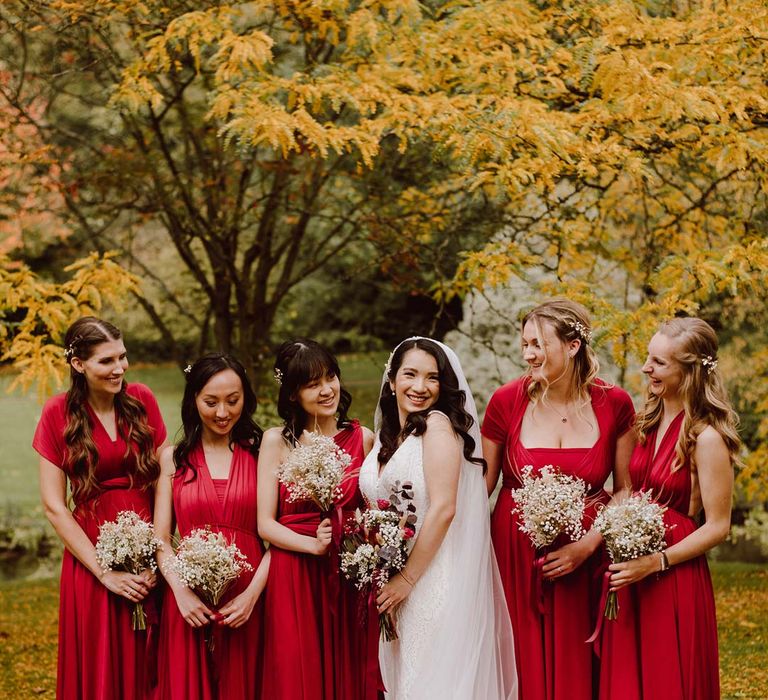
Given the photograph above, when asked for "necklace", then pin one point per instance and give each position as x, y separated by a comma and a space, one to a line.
563, 419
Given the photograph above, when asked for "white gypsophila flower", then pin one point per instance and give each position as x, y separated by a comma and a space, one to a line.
550, 503
632, 528
127, 543
207, 563
313, 471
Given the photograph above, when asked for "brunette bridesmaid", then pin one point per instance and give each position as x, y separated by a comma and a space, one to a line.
664, 642
315, 645
102, 437
209, 481
559, 413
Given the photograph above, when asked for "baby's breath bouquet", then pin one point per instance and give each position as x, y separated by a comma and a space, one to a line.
128, 543
631, 529
314, 470
376, 545
549, 503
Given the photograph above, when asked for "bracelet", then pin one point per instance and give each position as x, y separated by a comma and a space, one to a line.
405, 578
664, 561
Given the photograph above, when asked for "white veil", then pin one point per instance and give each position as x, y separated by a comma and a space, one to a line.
472, 653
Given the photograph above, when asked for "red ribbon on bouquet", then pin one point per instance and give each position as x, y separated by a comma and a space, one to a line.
537, 585
373, 677
336, 517
601, 613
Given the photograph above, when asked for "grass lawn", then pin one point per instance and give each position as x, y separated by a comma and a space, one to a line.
28, 612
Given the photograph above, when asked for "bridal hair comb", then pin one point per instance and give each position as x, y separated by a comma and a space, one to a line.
187, 369
710, 363
69, 352
278, 375
584, 333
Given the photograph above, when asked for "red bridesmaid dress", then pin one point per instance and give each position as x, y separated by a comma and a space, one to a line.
553, 660
315, 647
664, 642
231, 671
101, 657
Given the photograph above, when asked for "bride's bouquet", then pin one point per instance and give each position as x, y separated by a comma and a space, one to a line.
549, 503
376, 546
208, 564
128, 543
314, 471
631, 529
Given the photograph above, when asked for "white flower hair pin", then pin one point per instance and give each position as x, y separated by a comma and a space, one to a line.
710, 363
584, 333
278, 376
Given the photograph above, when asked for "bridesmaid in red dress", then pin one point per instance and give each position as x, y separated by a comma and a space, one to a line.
209, 481
558, 413
664, 642
315, 647
102, 436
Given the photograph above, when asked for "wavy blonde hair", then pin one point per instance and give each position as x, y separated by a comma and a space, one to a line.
570, 321
705, 399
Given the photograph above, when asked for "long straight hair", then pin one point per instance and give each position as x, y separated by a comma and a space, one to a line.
82, 340
705, 399
245, 432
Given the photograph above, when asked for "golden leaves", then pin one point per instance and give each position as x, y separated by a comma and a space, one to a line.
44, 310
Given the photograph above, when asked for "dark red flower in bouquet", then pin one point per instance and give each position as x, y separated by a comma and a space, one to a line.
408, 532
383, 503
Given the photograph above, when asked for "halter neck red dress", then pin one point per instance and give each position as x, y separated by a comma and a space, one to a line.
188, 670
664, 642
315, 647
101, 657
553, 660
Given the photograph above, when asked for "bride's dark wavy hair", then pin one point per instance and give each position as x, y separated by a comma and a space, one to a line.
450, 401
245, 431
300, 362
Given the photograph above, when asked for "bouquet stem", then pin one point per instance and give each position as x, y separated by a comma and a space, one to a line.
387, 628
138, 617
611, 606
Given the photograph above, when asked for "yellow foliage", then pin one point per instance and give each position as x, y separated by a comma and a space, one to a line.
41, 312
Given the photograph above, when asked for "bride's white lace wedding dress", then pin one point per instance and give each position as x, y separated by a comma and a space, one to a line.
455, 638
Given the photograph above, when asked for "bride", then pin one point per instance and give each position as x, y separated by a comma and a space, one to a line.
455, 639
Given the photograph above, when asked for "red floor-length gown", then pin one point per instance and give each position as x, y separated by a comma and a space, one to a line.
101, 657
188, 670
315, 646
553, 660
664, 642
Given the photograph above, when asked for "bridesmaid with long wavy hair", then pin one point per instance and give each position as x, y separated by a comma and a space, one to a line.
102, 437
664, 642
315, 647
559, 413
209, 481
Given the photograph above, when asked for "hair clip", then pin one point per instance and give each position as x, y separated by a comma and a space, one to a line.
187, 369
69, 352
710, 363
582, 330
278, 375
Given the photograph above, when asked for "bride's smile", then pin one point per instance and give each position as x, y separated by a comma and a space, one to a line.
416, 385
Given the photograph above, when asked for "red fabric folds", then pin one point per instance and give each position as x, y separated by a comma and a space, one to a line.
188, 670
664, 642
100, 656
315, 646
553, 662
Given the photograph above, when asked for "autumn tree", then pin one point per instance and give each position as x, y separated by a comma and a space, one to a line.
259, 140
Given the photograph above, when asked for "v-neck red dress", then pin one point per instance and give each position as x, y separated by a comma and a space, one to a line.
100, 656
315, 646
553, 660
187, 669
664, 642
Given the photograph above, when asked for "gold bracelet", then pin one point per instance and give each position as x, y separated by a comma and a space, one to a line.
405, 578
664, 561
